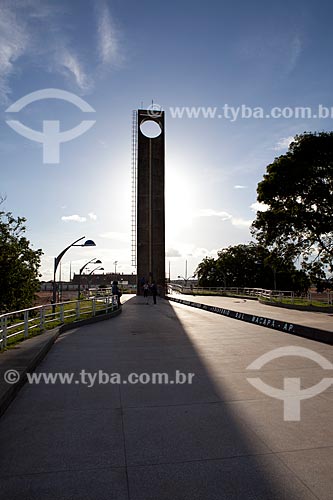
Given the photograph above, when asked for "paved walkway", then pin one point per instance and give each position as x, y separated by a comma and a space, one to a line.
215, 439
320, 320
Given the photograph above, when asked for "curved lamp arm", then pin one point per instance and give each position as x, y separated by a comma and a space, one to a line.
58, 259
86, 264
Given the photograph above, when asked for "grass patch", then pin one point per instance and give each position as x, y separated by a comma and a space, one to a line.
297, 301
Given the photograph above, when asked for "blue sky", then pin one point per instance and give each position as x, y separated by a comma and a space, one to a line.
118, 54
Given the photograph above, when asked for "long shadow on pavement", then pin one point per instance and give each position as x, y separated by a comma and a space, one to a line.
141, 441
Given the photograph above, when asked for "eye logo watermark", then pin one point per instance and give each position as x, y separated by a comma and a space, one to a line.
50, 137
291, 394
154, 110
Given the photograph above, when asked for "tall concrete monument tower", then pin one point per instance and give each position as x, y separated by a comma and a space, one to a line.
150, 218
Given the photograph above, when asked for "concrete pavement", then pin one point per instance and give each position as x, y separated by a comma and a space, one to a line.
218, 438
319, 320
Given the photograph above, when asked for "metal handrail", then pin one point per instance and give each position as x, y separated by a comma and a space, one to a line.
326, 297
22, 322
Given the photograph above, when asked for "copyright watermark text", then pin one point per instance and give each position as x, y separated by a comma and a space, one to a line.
90, 379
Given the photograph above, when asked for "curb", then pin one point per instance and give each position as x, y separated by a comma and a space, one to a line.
8, 396
88, 321
308, 332
10, 393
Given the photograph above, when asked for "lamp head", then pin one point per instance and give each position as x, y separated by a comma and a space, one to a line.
89, 243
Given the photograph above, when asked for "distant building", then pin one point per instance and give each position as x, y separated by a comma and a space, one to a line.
105, 280
92, 281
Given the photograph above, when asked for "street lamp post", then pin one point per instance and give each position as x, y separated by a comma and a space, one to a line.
95, 261
96, 269
92, 272
186, 279
88, 243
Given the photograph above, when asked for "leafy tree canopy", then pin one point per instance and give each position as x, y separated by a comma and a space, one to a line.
297, 190
19, 265
251, 266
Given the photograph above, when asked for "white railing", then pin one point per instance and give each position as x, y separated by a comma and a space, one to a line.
276, 295
103, 292
40, 318
218, 290
307, 298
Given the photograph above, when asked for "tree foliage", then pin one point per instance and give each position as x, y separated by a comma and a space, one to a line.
19, 264
251, 266
298, 191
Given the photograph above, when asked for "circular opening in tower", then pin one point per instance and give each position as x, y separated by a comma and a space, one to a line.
150, 129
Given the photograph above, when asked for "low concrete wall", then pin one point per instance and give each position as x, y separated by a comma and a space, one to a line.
275, 324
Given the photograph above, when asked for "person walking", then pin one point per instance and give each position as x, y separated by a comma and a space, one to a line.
145, 291
115, 291
153, 289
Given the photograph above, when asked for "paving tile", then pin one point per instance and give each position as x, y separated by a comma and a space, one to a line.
189, 432
235, 385
265, 418
60, 440
201, 390
314, 467
42, 397
255, 478
101, 484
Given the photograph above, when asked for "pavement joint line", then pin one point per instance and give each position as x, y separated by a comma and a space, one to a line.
296, 450
124, 444
157, 464
196, 460
62, 471
286, 327
73, 410
298, 477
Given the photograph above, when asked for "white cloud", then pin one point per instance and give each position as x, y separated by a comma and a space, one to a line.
208, 212
69, 63
283, 143
14, 40
20, 35
259, 207
201, 252
172, 252
239, 222
113, 235
39, 32
295, 52
107, 36
225, 216
92, 216
73, 218
239, 186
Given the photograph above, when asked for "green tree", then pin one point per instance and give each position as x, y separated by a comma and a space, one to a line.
297, 190
19, 265
206, 272
253, 266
